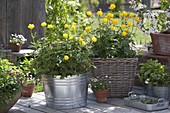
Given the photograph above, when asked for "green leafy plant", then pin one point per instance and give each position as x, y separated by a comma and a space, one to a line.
65, 48
153, 72
114, 38
10, 81
97, 84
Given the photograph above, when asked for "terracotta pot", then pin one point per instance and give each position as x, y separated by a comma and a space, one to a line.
10, 103
15, 48
101, 95
27, 90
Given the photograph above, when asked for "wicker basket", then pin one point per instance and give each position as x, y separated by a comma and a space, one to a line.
161, 43
119, 73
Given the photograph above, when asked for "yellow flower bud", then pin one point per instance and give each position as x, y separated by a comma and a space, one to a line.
114, 21
74, 24
113, 28
66, 26
65, 35
125, 19
131, 15
104, 20
89, 13
137, 19
83, 43
126, 30
112, 6
73, 27
121, 15
31, 26
80, 39
66, 57
50, 26
43, 24
94, 39
123, 26
99, 13
88, 29
130, 24
70, 38
124, 33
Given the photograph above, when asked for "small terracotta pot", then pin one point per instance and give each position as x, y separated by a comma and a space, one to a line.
101, 95
15, 48
27, 90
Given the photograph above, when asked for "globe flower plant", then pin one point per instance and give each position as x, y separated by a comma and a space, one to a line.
66, 54
151, 20
17, 39
114, 36
10, 81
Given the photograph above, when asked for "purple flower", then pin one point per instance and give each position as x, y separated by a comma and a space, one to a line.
11, 73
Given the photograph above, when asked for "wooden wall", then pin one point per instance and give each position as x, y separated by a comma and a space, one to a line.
15, 15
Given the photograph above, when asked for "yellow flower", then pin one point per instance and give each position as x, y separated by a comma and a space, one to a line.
94, 39
104, 20
114, 21
121, 14
66, 57
131, 15
130, 24
89, 13
66, 26
65, 35
31, 26
113, 28
80, 39
137, 19
124, 33
109, 15
112, 6
73, 27
88, 29
123, 26
99, 13
50, 26
83, 43
124, 13
43, 24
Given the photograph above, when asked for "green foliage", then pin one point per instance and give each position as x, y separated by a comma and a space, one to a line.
153, 72
98, 84
65, 48
39, 87
10, 76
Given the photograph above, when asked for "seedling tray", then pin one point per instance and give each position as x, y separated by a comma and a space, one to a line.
146, 103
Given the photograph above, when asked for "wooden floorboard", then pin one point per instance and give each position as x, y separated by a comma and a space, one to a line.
37, 104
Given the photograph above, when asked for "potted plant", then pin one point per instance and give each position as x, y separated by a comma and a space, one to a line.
10, 84
100, 89
155, 23
62, 55
114, 57
16, 41
153, 73
28, 81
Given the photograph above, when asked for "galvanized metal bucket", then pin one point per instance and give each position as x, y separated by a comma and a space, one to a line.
161, 92
67, 93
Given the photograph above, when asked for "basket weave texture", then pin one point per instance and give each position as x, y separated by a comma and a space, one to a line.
161, 43
118, 73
